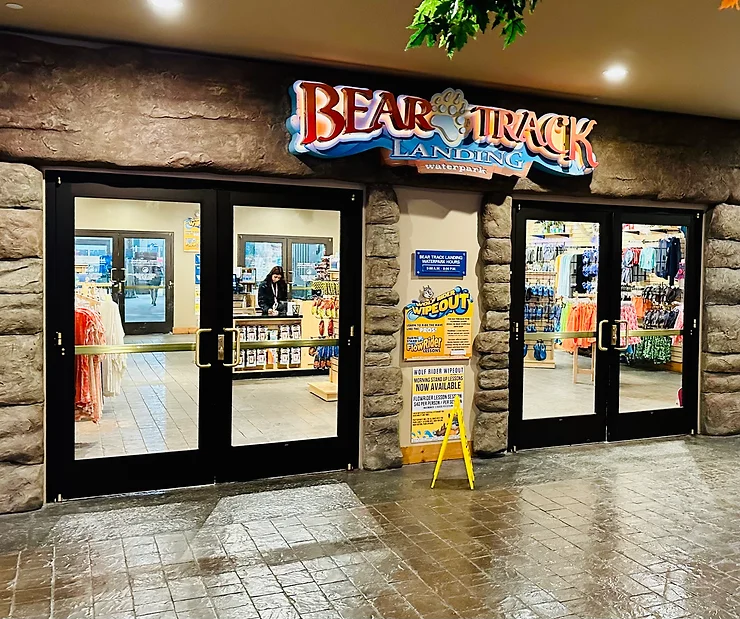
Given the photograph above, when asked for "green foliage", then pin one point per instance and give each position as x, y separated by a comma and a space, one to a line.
449, 24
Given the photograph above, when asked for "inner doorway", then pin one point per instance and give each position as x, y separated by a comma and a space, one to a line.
605, 323
136, 267
169, 363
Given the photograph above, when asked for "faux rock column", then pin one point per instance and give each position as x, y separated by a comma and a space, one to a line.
21, 344
720, 399
382, 399
490, 430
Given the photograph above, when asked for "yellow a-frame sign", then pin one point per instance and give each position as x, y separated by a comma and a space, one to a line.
456, 411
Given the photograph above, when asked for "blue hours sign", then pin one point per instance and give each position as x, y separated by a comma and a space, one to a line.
440, 263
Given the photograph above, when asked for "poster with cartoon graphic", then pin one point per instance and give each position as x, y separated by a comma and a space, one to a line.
191, 234
433, 394
438, 327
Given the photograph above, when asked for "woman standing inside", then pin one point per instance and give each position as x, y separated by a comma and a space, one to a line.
272, 294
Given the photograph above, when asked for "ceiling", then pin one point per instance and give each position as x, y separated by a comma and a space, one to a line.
681, 54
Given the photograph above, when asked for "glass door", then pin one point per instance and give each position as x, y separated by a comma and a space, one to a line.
292, 321
558, 309
276, 370
128, 385
147, 282
605, 346
654, 364
305, 260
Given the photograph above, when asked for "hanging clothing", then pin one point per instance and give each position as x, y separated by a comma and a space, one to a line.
114, 365
678, 339
647, 259
89, 331
581, 279
642, 305
673, 259
582, 317
563, 279
628, 314
655, 349
628, 259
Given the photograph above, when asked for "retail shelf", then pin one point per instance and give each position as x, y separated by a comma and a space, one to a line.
267, 319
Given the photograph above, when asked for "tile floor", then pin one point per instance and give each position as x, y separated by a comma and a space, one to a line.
641, 389
157, 410
140, 308
646, 529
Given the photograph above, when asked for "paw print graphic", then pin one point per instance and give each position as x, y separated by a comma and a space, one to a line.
449, 115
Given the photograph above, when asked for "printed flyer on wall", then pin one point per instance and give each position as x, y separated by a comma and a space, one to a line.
191, 234
438, 327
433, 394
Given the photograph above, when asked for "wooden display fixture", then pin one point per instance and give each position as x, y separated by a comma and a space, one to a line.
271, 364
591, 371
327, 390
548, 363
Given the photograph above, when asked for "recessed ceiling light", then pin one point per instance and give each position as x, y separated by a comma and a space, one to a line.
167, 7
13, 5
616, 73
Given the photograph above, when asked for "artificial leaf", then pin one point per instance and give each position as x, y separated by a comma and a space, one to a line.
417, 39
450, 24
730, 4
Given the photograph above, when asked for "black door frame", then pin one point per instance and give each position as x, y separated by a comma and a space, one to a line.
673, 420
119, 239
607, 423
547, 432
342, 451
214, 460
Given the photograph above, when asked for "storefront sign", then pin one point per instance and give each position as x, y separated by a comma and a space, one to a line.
441, 263
197, 268
191, 234
439, 327
433, 392
442, 135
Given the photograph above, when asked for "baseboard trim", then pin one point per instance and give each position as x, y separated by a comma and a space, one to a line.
416, 454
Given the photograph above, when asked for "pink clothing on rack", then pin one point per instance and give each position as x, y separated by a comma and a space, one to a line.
678, 339
628, 312
89, 331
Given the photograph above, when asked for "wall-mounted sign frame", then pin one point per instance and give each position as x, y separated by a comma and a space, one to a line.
433, 392
439, 327
440, 263
444, 134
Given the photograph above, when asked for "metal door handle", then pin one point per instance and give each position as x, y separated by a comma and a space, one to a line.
599, 329
626, 335
235, 352
197, 348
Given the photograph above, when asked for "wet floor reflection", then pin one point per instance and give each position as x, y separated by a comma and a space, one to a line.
646, 529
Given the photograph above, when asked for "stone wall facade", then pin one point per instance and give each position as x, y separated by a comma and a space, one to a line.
720, 399
113, 106
118, 107
490, 430
382, 381
21, 339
